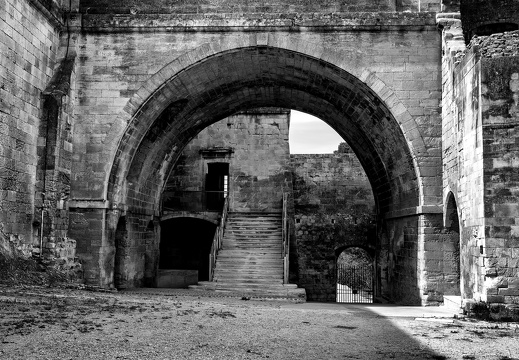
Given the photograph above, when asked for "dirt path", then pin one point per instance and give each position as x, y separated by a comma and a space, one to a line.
38, 323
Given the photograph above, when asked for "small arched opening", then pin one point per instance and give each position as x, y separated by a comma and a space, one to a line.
451, 248
355, 280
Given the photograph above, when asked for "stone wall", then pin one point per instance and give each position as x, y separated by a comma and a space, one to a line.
29, 44
463, 156
334, 209
500, 115
258, 159
479, 135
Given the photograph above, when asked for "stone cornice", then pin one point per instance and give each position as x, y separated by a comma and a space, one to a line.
51, 10
362, 21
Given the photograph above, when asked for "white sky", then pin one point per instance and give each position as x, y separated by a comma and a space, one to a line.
311, 135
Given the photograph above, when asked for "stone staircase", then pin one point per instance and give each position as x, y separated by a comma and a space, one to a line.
250, 263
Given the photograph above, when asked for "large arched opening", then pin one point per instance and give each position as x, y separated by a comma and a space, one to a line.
167, 113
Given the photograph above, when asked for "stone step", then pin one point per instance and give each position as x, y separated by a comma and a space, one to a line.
276, 234
258, 248
253, 281
284, 294
247, 224
252, 260
254, 214
245, 258
259, 234
270, 219
245, 253
258, 275
249, 277
253, 241
253, 237
252, 246
255, 286
252, 269
249, 266
250, 274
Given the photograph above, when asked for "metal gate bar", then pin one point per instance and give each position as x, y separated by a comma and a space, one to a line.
354, 283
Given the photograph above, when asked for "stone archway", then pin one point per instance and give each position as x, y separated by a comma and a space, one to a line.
186, 96
264, 76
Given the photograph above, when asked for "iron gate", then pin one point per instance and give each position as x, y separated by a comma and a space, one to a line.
354, 283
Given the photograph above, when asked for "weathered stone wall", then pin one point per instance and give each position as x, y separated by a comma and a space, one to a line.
334, 209
479, 102
500, 115
29, 45
463, 155
258, 163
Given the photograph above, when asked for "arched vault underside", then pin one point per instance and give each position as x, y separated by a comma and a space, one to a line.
260, 76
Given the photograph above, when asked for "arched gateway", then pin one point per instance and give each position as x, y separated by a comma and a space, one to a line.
210, 83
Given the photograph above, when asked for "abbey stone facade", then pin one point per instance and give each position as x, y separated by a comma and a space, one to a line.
99, 98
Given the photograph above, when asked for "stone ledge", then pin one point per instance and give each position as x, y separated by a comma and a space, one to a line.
414, 211
89, 204
362, 21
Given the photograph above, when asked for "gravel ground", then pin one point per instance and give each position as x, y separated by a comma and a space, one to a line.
45, 323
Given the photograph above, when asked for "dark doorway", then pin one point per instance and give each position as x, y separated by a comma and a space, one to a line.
185, 244
451, 250
121, 250
354, 276
216, 185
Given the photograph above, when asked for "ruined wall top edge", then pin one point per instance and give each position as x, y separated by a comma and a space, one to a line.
252, 6
485, 17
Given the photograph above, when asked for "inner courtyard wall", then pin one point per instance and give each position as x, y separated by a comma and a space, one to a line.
256, 148
333, 209
333, 201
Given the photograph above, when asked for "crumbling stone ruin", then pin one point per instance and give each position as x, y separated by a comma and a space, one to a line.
99, 99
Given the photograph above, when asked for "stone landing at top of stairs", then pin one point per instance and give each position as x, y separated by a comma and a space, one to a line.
250, 263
